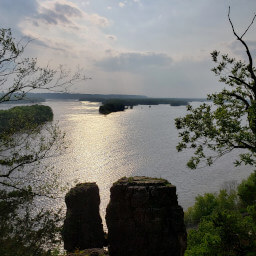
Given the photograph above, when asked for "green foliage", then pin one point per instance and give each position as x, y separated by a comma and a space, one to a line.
226, 221
225, 233
130, 179
209, 204
247, 190
204, 206
229, 122
24, 229
22, 118
223, 223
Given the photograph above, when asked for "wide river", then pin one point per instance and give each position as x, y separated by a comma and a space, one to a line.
138, 141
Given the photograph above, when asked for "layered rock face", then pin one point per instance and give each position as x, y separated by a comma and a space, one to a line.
144, 219
83, 225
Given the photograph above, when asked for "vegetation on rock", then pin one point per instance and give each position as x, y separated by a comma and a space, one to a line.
223, 223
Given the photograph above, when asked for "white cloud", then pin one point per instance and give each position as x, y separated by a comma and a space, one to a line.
97, 19
76, 32
67, 32
66, 12
121, 4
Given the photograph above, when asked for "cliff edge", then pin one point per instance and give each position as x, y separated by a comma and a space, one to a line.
144, 218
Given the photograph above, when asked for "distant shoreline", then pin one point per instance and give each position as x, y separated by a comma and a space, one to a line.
115, 105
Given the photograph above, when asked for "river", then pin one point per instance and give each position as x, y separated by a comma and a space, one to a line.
138, 141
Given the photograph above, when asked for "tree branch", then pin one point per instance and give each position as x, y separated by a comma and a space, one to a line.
250, 65
239, 98
249, 26
241, 81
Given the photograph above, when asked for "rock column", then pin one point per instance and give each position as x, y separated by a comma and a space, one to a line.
83, 225
144, 219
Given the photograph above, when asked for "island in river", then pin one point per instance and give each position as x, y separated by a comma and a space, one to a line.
110, 102
113, 105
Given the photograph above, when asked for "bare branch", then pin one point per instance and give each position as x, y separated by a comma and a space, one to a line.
249, 26
250, 65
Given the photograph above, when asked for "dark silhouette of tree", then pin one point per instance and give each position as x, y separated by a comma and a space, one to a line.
27, 138
229, 123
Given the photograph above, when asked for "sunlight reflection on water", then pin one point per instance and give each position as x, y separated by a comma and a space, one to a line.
140, 141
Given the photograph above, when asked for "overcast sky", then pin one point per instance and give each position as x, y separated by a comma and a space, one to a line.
158, 48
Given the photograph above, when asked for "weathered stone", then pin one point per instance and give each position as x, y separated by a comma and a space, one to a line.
144, 219
83, 225
90, 252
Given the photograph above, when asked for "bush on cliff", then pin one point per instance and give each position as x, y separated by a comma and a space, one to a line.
224, 233
209, 204
224, 224
247, 190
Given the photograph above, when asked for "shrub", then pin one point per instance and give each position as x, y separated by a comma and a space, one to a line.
247, 190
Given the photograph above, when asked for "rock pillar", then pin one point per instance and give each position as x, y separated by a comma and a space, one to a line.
144, 219
83, 225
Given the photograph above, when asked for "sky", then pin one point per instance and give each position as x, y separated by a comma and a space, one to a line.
157, 48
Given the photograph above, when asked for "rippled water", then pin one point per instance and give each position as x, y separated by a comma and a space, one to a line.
139, 141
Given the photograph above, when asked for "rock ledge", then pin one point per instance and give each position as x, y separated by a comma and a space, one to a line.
144, 218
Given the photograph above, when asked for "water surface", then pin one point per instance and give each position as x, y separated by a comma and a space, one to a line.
139, 141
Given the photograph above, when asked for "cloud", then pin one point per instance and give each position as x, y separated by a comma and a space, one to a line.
64, 32
133, 61
97, 20
111, 37
238, 49
51, 17
57, 13
66, 13
121, 4
46, 44
67, 10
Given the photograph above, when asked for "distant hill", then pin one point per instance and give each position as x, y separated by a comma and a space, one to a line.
127, 100
83, 97
20, 99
